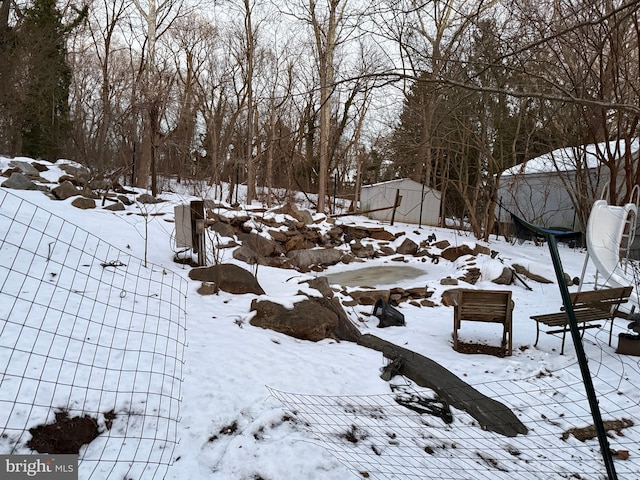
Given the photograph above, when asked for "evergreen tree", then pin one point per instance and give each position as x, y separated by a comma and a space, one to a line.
8, 99
45, 80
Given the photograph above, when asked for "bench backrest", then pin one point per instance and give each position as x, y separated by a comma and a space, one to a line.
604, 299
483, 305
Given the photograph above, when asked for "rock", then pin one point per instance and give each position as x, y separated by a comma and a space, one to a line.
84, 203
471, 276
449, 281
77, 171
208, 289
360, 251
322, 285
18, 181
229, 278
295, 242
115, 207
146, 198
246, 255
407, 247
418, 292
278, 236
349, 257
223, 229
449, 297
356, 232
65, 190
312, 319
453, 253
387, 250
303, 216
277, 262
382, 235
481, 250
70, 178
369, 297
40, 167
335, 234
505, 278
259, 244
216, 217
520, 270
124, 200
308, 320
442, 244
304, 259
25, 167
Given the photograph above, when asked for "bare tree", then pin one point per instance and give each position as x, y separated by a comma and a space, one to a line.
157, 17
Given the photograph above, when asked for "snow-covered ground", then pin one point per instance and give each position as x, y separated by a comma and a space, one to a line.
256, 404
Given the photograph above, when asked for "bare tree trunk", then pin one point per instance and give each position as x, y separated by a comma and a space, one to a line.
325, 42
250, 53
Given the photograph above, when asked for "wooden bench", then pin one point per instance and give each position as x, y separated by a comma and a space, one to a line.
494, 306
588, 306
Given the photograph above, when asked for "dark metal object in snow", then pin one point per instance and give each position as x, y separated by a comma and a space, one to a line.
389, 316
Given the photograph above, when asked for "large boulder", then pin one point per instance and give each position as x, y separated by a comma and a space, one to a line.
229, 278
263, 246
295, 242
84, 203
407, 247
453, 253
362, 251
312, 319
223, 229
302, 216
115, 207
76, 170
304, 259
146, 198
246, 255
18, 181
307, 320
322, 285
25, 167
65, 190
505, 278
369, 297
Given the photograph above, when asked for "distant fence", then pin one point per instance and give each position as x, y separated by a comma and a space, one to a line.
86, 330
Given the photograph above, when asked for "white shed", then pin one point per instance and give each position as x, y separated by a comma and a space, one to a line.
541, 189
415, 198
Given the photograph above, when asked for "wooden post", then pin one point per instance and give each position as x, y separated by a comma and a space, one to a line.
396, 204
197, 231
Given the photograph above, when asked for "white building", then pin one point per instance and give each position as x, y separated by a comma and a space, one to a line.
541, 190
415, 198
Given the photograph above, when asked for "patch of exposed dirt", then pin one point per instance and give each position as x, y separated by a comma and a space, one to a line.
589, 432
471, 348
64, 436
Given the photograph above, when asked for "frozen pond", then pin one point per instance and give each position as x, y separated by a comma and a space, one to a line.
374, 276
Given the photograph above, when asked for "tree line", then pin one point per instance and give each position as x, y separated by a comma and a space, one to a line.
312, 95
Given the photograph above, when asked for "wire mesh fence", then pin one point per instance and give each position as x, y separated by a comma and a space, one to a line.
91, 341
405, 435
